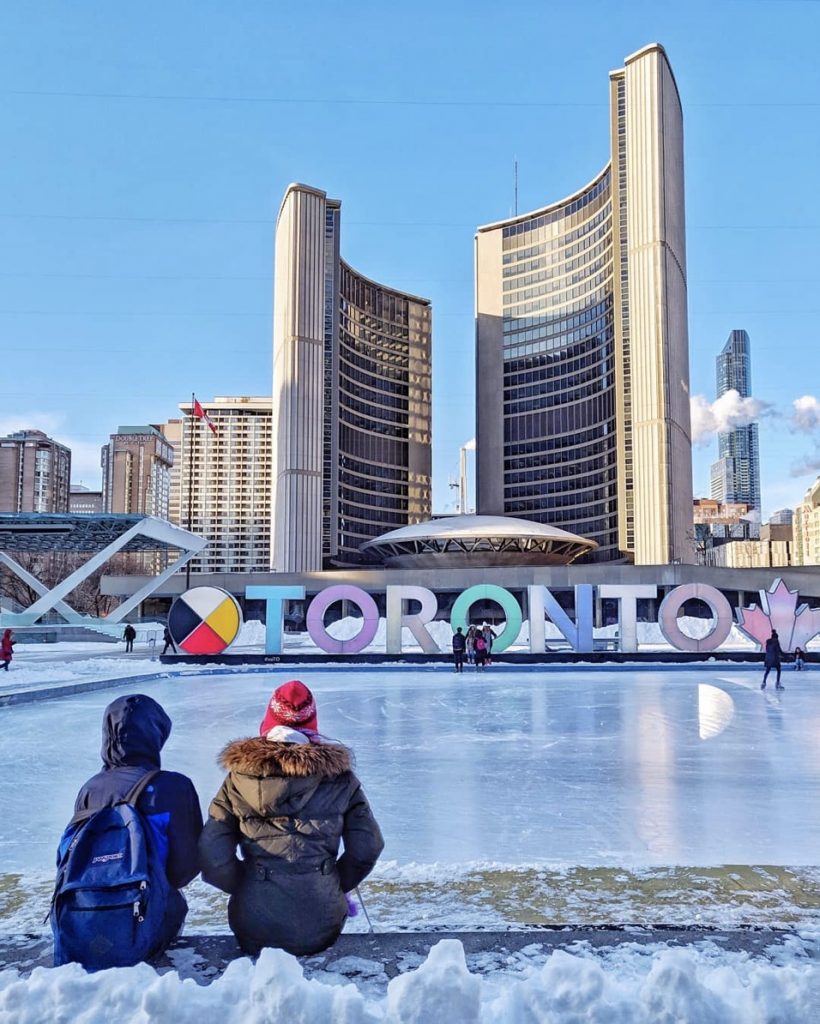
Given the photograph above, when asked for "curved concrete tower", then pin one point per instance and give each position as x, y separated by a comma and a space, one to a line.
582, 344
351, 396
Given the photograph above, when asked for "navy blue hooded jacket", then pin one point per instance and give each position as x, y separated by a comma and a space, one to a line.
133, 733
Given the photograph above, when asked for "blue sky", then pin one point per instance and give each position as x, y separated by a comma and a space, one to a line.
147, 147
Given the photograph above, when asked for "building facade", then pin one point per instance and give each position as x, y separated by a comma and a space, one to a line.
351, 396
221, 484
83, 501
582, 343
136, 472
736, 474
35, 473
806, 527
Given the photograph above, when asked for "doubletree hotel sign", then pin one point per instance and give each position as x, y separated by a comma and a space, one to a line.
206, 620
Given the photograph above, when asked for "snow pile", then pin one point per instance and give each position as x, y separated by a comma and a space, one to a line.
630, 985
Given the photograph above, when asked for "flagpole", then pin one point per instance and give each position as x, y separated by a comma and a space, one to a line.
190, 486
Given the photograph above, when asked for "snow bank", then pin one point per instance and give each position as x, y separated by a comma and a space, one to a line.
628, 985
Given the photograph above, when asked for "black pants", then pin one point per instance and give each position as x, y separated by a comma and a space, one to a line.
167, 645
458, 657
129, 646
768, 670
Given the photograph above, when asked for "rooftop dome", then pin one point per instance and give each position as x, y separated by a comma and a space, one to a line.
461, 541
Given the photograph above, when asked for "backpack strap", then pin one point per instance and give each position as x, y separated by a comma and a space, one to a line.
130, 797
139, 788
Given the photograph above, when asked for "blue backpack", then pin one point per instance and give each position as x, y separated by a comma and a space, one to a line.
112, 895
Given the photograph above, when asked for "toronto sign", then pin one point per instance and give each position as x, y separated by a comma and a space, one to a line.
207, 620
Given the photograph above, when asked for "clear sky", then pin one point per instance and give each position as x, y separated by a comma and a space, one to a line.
147, 147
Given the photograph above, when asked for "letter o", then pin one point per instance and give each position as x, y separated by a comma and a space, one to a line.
489, 592
316, 619
675, 600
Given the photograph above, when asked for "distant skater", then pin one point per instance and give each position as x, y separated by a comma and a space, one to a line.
480, 651
470, 645
459, 646
169, 641
129, 635
799, 659
772, 660
6, 650
489, 636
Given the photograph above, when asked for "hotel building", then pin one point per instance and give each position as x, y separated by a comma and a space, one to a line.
582, 384
221, 482
351, 432
136, 472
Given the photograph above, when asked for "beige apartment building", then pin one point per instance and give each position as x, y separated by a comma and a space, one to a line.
136, 472
352, 388
582, 343
806, 525
35, 473
221, 482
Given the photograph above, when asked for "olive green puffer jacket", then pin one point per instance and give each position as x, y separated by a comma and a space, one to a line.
286, 806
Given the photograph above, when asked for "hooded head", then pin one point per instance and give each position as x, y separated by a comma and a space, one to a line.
292, 704
134, 730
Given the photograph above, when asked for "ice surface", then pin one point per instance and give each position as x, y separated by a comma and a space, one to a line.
637, 768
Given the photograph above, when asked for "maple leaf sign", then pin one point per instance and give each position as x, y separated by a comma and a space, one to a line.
777, 611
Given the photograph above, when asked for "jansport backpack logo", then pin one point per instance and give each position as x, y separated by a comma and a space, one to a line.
111, 895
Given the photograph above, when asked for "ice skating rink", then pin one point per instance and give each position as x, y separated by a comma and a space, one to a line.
633, 768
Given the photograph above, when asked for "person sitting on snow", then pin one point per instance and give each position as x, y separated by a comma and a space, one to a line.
290, 798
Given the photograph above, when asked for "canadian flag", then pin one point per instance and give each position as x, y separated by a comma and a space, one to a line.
200, 414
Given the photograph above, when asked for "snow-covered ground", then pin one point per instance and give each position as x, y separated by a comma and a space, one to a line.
626, 985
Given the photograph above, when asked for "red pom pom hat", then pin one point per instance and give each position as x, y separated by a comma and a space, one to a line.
292, 704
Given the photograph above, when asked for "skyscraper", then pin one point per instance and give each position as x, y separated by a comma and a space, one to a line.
736, 474
582, 342
351, 396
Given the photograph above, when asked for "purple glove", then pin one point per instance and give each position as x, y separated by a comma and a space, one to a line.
352, 905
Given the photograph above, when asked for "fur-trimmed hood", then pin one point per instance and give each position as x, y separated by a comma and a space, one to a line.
262, 759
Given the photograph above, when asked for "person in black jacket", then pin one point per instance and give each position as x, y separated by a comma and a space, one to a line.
772, 659
459, 645
134, 731
129, 635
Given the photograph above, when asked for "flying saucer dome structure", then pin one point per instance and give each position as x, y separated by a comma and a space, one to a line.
476, 541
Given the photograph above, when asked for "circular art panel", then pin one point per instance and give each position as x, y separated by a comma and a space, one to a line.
204, 620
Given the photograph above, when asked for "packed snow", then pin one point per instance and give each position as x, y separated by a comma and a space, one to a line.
627, 985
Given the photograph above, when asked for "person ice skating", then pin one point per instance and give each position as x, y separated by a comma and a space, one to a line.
489, 636
469, 642
480, 650
772, 660
799, 659
6, 649
129, 635
289, 799
459, 646
169, 640
134, 730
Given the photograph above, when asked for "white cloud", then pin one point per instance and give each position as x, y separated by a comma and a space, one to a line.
725, 413
809, 464
806, 416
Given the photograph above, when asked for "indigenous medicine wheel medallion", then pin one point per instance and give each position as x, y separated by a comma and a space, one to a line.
204, 620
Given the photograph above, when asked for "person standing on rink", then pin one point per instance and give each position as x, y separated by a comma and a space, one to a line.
459, 646
772, 660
